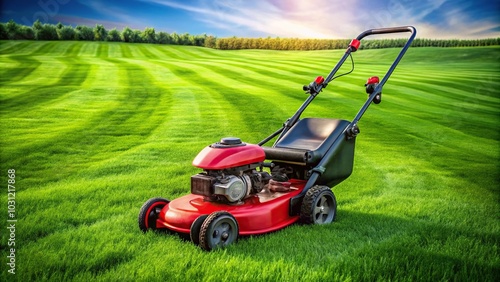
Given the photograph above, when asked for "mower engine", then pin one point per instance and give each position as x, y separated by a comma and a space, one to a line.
230, 171
223, 187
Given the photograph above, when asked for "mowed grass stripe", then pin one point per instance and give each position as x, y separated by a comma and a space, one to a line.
272, 87
190, 53
102, 50
48, 72
46, 96
72, 76
121, 114
146, 52
7, 47
74, 264
457, 89
45, 47
206, 92
276, 70
180, 52
236, 92
83, 139
136, 98
88, 49
104, 75
430, 132
477, 110
170, 53
207, 53
281, 61
114, 49
73, 49
24, 66
206, 104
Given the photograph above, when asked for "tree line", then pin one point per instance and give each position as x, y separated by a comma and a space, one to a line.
235, 43
39, 31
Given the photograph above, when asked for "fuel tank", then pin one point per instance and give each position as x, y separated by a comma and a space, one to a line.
229, 152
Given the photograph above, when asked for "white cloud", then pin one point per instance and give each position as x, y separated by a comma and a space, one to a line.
296, 18
450, 20
327, 18
119, 17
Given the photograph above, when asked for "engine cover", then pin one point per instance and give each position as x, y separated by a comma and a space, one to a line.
227, 154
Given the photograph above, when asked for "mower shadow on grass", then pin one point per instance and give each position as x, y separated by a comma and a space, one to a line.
383, 247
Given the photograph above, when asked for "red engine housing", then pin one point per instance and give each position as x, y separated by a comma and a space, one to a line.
222, 155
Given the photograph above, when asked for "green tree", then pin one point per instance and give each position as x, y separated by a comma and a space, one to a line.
162, 38
127, 34
85, 33
185, 39
66, 33
47, 32
12, 29
114, 35
136, 36
37, 27
210, 41
27, 32
3, 32
175, 38
148, 35
100, 32
199, 40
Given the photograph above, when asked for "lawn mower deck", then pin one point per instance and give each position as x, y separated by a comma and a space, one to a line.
260, 213
248, 189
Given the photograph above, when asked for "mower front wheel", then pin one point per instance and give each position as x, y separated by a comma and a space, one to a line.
218, 230
149, 213
319, 206
194, 232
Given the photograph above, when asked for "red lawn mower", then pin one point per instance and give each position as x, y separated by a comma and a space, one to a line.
234, 196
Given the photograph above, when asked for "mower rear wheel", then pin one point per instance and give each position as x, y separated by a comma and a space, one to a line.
319, 206
218, 230
149, 213
194, 231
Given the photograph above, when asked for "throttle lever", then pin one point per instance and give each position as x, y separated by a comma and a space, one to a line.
315, 86
371, 84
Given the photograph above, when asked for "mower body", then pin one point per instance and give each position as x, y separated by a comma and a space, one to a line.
261, 212
258, 214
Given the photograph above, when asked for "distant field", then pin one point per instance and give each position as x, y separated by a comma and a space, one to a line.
95, 129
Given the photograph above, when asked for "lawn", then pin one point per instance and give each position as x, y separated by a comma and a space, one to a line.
95, 129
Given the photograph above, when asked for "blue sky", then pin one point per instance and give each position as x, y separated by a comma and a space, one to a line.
262, 18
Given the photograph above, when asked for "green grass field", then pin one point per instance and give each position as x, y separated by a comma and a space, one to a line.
94, 129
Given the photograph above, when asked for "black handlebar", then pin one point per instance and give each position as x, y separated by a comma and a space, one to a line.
386, 31
316, 86
378, 89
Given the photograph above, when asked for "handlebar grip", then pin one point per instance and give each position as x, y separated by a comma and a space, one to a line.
386, 30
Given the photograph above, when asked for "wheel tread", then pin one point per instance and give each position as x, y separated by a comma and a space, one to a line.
204, 243
308, 207
143, 216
